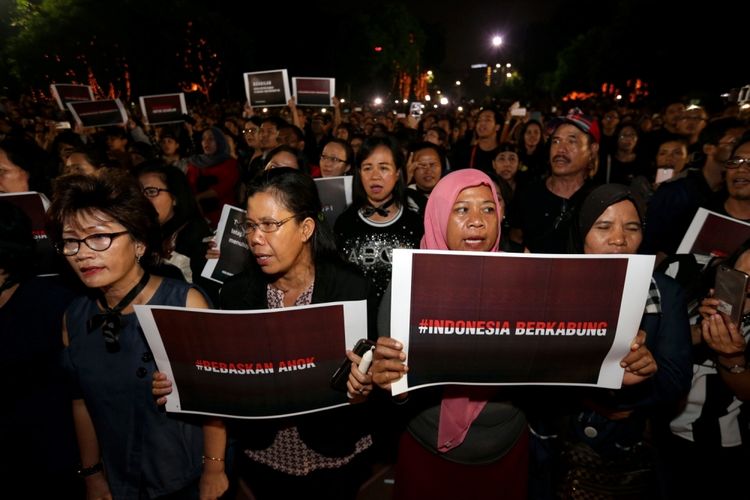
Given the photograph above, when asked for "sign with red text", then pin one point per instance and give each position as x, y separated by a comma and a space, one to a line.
267, 88
35, 205
70, 92
477, 318
714, 234
253, 364
163, 108
98, 113
313, 91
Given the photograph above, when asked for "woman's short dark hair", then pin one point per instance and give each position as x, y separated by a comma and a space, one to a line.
348, 151
285, 148
16, 243
185, 205
359, 195
113, 192
28, 156
297, 192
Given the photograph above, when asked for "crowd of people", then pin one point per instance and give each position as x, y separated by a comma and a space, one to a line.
132, 215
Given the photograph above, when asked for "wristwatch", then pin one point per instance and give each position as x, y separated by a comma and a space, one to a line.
736, 369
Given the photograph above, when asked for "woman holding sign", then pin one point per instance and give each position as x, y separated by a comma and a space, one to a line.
600, 433
463, 442
324, 454
107, 230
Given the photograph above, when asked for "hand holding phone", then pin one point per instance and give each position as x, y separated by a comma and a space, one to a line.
341, 376
730, 290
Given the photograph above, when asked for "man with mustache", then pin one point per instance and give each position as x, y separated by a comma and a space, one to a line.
541, 214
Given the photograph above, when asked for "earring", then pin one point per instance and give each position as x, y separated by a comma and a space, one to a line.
138, 258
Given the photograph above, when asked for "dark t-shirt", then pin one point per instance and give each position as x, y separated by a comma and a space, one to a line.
546, 218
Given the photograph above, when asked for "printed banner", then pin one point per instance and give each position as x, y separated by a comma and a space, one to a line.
335, 196
267, 88
253, 364
35, 206
234, 253
495, 319
98, 113
714, 234
314, 91
163, 108
70, 92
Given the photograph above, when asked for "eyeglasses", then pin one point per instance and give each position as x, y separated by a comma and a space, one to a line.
332, 159
249, 130
427, 166
267, 226
737, 162
96, 242
153, 192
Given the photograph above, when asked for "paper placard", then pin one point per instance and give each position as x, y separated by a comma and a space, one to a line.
163, 108
253, 364
267, 88
98, 113
335, 195
70, 92
481, 318
714, 234
233, 250
313, 91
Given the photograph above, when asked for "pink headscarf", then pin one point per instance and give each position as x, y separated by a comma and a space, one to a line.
461, 404
440, 203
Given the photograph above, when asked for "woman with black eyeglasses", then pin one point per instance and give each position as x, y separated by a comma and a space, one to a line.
294, 262
183, 229
108, 231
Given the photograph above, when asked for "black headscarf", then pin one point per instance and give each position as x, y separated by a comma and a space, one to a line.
594, 205
221, 155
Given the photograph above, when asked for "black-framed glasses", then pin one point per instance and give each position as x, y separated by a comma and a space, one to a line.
249, 130
737, 162
267, 226
332, 159
97, 242
153, 192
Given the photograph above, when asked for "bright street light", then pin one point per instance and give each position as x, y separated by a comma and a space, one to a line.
497, 41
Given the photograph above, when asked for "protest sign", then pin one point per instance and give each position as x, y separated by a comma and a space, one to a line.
493, 319
253, 364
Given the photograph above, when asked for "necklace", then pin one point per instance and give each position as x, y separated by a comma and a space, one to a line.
110, 319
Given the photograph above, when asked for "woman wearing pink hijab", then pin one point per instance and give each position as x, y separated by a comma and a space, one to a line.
461, 441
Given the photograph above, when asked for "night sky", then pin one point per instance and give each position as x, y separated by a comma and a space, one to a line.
683, 50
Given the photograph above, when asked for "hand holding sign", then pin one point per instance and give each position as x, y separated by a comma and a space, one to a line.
388, 362
639, 364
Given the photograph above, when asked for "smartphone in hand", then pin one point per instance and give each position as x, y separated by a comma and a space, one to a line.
731, 289
341, 376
